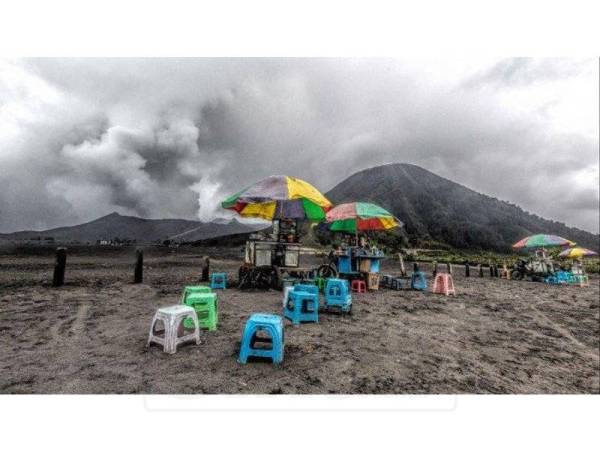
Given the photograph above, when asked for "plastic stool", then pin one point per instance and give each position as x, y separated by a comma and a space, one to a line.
194, 290
418, 281
302, 305
359, 286
206, 309
218, 280
272, 325
443, 284
337, 295
320, 282
396, 284
172, 318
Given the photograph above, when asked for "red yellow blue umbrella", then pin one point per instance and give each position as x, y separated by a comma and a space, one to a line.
360, 216
279, 197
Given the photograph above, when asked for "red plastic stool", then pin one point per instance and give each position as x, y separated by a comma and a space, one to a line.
443, 284
359, 286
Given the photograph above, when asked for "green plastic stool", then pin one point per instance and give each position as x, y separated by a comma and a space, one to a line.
206, 306
320, 282
195, 290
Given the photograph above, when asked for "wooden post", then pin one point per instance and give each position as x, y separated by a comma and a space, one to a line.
415, 267
467, 270
205, 269
480, 271
59, 267
491, 268
138, 275
449, 268
434, 272
402, 268
495, 270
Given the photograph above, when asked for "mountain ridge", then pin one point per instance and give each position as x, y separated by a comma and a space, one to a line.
142, 230
433, 207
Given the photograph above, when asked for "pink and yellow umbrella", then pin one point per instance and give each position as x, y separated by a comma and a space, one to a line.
576, 253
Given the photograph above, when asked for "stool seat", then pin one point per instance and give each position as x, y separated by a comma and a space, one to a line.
359, 286
269, 324
187, 290
443, 284
172, 318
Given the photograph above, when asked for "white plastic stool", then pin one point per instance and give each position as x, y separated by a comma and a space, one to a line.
172, 317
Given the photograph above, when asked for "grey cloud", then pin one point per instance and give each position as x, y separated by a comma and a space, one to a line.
171, 137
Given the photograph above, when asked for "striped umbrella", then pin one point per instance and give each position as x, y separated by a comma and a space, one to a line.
542, 241
576, 253
279, 197
359, 216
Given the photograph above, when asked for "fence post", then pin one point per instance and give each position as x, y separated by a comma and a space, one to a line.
415, 267
205, 269
449, 268
480, 271
434, 272
58, 278
138, 274
491, 268
467, 270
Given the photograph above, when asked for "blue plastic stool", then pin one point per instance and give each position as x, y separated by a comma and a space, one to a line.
396, 284
302, 305
218, 280
269, 323
310, 288
337, 294
418, 281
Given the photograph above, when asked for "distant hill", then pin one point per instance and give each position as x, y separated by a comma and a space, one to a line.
435, 208
134, 228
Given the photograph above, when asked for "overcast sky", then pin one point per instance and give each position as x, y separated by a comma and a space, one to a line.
80, 138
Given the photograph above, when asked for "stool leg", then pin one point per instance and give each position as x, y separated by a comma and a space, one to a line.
151, 334
194, 317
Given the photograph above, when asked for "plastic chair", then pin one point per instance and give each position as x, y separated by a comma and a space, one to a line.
443, 284
359, 286
269, 324
418, 281
337, 295
205, 305
172, 318
218, 280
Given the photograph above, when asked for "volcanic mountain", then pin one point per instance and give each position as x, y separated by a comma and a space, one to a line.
437, 209
117, 227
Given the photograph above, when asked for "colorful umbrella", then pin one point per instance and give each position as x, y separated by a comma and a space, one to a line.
279, 197
576, 253
359, 216
543, 240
